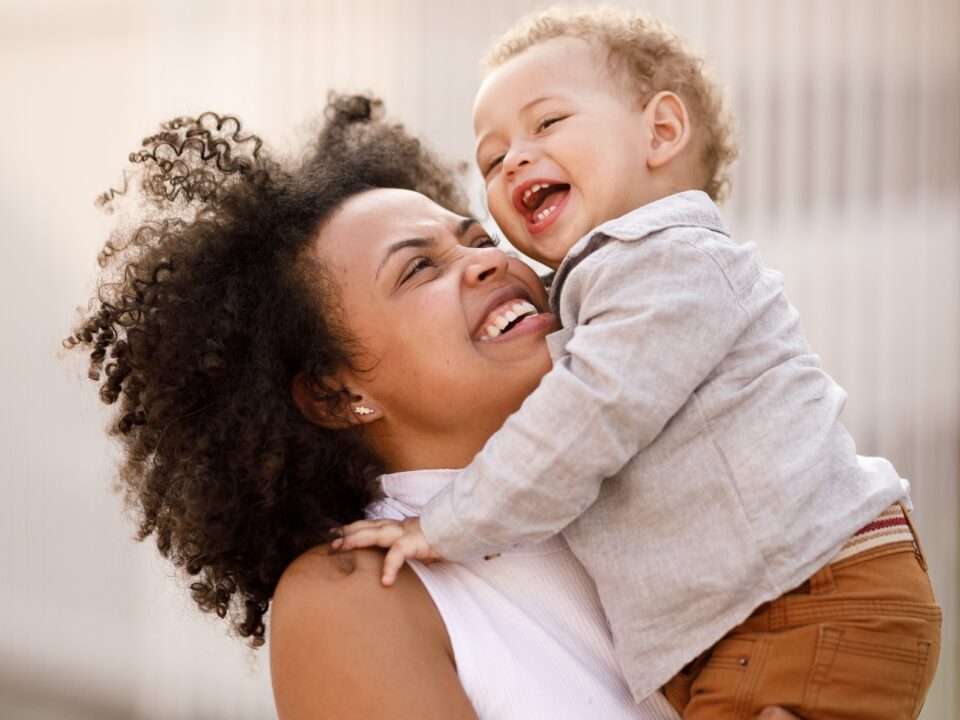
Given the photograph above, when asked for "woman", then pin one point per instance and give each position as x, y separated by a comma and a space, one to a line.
274, 340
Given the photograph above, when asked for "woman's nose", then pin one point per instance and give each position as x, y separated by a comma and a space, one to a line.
483, 264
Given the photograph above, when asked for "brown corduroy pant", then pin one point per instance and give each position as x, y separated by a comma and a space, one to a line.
859, 640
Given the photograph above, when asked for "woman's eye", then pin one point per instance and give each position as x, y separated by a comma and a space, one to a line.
486, 241
418, 264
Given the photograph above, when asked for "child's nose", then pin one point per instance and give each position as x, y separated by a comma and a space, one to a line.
516, 159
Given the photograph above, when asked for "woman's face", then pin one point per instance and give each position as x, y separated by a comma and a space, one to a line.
427, 295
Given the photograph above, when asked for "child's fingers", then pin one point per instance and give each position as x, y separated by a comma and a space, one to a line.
406, 548
345, 530
369, 533
365, 525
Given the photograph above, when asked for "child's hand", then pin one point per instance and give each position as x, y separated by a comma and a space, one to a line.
404, 540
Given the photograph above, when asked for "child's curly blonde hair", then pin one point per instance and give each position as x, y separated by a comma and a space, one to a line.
648, 57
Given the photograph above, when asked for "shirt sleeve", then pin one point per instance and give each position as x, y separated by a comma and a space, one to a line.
655, 317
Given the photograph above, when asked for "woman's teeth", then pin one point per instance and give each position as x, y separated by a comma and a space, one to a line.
498, 324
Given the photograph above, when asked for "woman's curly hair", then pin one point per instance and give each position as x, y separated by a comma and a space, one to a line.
213, 306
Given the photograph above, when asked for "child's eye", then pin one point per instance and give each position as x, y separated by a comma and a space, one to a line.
492, 165
547, 122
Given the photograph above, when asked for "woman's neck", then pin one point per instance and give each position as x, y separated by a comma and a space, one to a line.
425, 451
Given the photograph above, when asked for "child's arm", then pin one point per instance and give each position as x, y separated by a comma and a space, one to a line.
655, 317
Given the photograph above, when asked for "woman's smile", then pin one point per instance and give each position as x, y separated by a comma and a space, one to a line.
453, 328
511, 313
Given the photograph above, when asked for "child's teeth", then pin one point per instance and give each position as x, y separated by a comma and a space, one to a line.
542, 215
492, 332
501, 323
532, 189
510, 315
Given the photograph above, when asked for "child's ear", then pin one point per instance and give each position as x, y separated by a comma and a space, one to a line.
332, 405
670, 128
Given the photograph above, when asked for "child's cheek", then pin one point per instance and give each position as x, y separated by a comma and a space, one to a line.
504, 214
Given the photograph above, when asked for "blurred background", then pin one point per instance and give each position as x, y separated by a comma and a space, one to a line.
849, 182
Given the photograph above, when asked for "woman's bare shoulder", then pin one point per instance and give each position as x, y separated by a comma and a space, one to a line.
340, 590
343, 645
321, 565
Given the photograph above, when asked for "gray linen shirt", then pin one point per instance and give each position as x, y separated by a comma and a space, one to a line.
682, 377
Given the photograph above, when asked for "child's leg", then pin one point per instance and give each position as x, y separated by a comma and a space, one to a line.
860, 639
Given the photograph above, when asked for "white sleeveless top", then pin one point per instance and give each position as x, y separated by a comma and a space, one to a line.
529, 637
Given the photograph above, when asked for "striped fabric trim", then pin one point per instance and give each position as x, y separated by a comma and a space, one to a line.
891, 527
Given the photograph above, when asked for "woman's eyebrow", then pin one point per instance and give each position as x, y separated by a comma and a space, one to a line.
462, 228
401, 245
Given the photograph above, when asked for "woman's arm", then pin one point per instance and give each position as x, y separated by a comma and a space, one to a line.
342, 646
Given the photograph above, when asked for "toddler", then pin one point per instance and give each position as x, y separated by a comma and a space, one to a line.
686, 443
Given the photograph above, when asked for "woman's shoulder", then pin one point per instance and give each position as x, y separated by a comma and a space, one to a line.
323, 583
321, 565
334, 626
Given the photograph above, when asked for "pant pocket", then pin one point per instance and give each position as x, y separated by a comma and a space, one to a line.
723, 686
863, 675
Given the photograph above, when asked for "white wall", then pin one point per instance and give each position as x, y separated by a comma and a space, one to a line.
849, 182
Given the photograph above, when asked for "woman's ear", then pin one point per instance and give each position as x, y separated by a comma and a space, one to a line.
670, 127
332, 406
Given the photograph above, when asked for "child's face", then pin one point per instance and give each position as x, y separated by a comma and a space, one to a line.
561, 146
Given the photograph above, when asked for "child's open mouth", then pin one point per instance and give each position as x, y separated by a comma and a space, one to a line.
538, 201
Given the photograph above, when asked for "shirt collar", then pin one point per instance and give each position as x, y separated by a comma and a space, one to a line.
691, 207
415, 488
686, 209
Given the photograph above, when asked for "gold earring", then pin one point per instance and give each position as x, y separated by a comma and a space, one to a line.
361, 410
